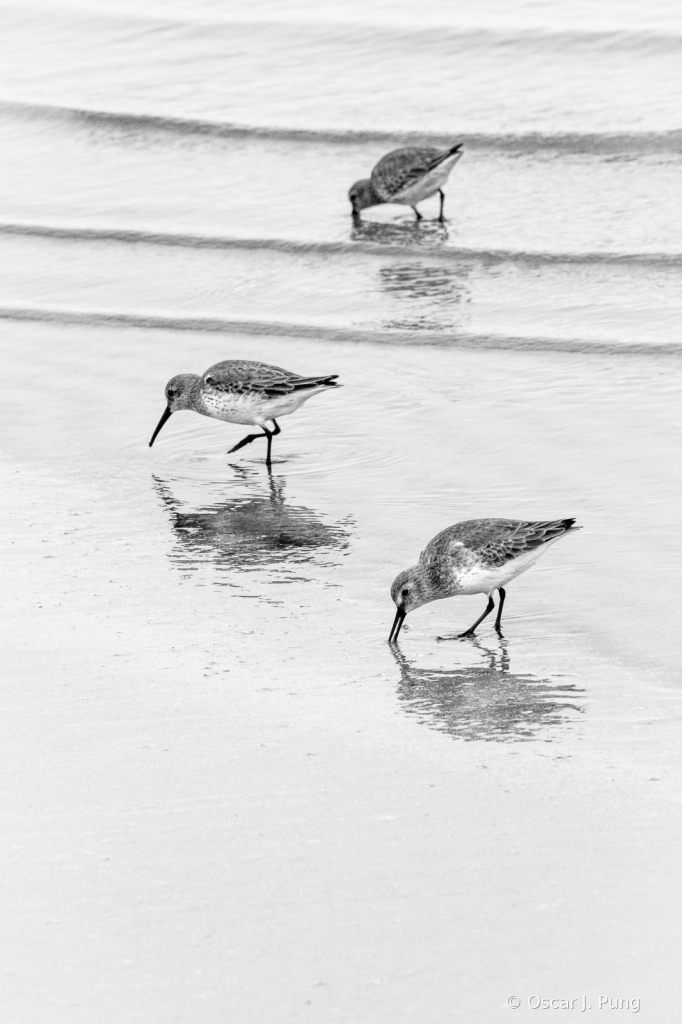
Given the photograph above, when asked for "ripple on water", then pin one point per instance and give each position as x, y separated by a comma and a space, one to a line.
204, 452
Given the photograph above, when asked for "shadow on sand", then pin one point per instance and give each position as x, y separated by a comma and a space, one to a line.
485, 701
258, 530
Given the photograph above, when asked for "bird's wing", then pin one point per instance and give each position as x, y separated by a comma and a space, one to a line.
244, 376
403, 167
501, 540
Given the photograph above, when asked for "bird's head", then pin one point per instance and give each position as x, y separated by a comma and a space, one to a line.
408, 593
179, 391
362, 195
178, 396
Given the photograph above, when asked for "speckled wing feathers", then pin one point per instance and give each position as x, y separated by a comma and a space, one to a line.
245, 376
492, 541
401, 168
520, 538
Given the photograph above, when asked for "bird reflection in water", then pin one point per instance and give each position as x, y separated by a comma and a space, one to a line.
417, 281
258, 530
485, 701
425, 234
431, 295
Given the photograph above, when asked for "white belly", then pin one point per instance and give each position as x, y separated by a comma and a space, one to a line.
252, 409
481, 580
428, 185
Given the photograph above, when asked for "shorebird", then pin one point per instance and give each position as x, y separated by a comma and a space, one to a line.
406, 176
474, 557
243, 391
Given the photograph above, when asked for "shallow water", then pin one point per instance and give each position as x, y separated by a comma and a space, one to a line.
227, 797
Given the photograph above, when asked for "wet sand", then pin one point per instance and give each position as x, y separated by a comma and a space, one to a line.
226, 797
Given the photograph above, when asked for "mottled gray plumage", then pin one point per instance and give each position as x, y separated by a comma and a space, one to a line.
407, 175
403, 167
243, 391
242, 376
492, 541
478, 556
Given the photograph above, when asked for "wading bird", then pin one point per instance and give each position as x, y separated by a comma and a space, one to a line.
474, 557
406, 176
243, 391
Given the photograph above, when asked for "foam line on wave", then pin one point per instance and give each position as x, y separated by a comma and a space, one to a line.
458, 254
318, 332
588, 143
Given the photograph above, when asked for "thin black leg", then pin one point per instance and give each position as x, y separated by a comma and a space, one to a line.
498, 621
254, 437
470, 630
271, 434
248, 440
441, 218
419, 216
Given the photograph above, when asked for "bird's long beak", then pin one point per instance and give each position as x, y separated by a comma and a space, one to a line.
397, 625
167, 413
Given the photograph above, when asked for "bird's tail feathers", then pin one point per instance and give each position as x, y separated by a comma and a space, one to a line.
317, 382
445, 155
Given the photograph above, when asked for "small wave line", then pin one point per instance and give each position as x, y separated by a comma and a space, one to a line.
460, 254
580, 143
322, 332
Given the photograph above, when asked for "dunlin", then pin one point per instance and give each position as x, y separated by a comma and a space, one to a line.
474, 557
243, 391
406, 176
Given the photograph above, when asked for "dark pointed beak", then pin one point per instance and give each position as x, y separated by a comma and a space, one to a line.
167, 413
397, 625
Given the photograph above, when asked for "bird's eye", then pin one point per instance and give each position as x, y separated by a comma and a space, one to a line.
353, 196
210, 380
171, 392
405, 592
